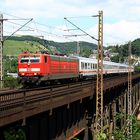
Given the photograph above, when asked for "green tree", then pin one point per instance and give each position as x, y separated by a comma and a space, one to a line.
10, 65
120, 133
14, 134
115, 58
137, 68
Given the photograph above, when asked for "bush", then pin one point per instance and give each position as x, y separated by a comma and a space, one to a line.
15, 134
137, 68
10, 82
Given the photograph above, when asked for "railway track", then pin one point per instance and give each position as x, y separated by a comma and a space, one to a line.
17, 104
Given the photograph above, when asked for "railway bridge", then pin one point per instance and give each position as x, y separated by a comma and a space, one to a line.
63, 112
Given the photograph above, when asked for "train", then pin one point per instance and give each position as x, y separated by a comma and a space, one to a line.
36, 68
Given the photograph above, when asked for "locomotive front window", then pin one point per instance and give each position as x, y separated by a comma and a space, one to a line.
34, 59
31, 59
24, 59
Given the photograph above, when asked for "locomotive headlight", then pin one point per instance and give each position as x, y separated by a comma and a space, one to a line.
22, 73
35, 73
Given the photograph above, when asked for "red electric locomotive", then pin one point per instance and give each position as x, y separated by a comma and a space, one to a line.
36, 68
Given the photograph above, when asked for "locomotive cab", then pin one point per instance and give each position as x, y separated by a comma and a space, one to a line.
31, 67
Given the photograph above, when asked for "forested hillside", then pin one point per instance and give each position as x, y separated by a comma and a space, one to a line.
122, 50
15, 45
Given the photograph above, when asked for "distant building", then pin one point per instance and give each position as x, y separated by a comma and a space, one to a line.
93, 56
107, 58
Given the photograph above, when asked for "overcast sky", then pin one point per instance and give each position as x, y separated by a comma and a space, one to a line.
121, 19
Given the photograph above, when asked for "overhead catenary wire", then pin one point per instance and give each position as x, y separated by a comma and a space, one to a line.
18, 29
82, 16
35, 29
52, 32
19, 18
28, 28
81, 29
39, 30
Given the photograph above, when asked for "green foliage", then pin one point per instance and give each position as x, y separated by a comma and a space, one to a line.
137, 68
14, 134
71, 47
10, 82
114, 49
102, 136
15, 45
136, 47
122, 50
86, 52
120, 134
115, 58
137, 136
75, 139
10, 64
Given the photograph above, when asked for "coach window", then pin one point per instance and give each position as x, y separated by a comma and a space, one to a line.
116, 67
95, 66
105, 66
121, 67
85, 65
45, 58
82, 65
88, 67
112, 66
92, 66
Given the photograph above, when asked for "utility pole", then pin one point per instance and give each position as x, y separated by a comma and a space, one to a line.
78, 43
99, 82
78, 48
1, 45
129, 131
1, 50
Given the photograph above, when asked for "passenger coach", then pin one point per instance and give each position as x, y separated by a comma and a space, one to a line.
88, 67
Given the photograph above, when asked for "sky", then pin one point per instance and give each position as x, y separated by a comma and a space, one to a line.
121, 19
